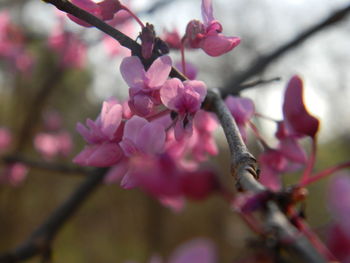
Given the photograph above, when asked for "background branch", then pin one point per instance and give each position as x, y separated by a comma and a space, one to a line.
233, 86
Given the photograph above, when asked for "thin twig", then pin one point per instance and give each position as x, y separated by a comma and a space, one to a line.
46, 166
261, 63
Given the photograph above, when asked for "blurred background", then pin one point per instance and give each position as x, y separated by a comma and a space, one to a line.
45, 91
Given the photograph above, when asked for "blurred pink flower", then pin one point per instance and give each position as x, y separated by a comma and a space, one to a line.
13, 45
242, 109
207, 35
53, 144
13, 174
70, 50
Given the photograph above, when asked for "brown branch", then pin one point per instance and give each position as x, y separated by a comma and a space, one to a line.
40, 240
261, 63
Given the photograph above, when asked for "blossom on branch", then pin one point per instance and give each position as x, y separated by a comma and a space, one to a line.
145, 85
207, 34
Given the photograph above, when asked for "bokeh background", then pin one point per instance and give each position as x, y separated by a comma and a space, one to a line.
115, 225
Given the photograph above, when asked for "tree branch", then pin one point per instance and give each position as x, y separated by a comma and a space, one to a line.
261, 63
47, 166
40, 240
244, 170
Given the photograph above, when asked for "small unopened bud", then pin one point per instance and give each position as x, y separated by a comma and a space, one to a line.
147, 37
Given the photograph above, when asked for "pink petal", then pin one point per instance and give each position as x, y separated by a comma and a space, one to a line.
198, 86
88, 6
109, 8
111, 117
218, 44
133, 127
128, 181
198, 250
339, 201
5, 139
101, 155
176, 203
242, 109
116, 172
151, 138
270, 178
159, 71
207, 12
295, 113
133, 72
292, 150
170, 91
142, 104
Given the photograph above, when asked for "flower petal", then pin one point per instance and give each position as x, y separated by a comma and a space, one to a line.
207, 12
111, 117
159, 71
151, 138
295, 113
218, 44
133, 72
170, 91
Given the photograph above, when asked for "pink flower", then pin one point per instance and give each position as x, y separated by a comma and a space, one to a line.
104, 10
242, 109
185, 98
5, 139
71, 51
13, 174
13, 45
144, 86
103, 137
172, 38
142, 137
207, 35
273, 163
53, 144
298, 122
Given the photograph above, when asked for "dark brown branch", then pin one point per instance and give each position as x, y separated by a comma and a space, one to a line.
40, 240
261, 63
46, 166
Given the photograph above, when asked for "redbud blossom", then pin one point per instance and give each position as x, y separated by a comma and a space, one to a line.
103, 136
296, 117
13, 174
71, 51
104, 10
242, 109
185, 98
53, 144
207, 35
144, 86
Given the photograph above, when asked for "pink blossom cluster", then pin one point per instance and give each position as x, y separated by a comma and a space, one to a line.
11, 173
54, 140
157, 138
13, 45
